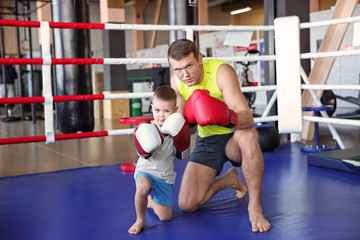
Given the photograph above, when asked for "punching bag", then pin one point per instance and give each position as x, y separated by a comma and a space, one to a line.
269, 138
73, 79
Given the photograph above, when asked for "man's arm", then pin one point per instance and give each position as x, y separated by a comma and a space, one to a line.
180, 102
229, 85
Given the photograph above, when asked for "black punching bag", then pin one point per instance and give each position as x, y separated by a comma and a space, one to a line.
73, 79
269, 138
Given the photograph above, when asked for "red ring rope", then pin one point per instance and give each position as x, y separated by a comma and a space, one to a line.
57, 137
135, 120
54, 61
36, 24
68, 98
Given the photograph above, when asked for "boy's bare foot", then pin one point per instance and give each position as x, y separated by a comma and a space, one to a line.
240, 188
258, 222
137, 227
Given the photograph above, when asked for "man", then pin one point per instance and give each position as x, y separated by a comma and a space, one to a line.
217, 141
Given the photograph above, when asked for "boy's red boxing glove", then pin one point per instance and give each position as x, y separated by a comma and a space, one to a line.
208, 110
147, 137
177, 127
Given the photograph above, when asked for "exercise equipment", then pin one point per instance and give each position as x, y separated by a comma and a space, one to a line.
317, 147
135, 120
128, 166
73, 79
329, 99
347, 160
244, 80
354, 100
269, 138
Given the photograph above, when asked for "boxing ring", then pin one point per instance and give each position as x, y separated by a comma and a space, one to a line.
300, 201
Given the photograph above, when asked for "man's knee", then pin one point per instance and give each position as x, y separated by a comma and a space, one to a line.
246, 134
188, 207
246, 138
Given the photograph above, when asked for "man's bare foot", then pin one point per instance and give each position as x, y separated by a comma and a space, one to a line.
240, 188
137, 227
258, 222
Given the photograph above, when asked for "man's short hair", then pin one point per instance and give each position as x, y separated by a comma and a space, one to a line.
182, 48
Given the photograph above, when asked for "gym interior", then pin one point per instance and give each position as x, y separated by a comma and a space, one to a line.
75, 188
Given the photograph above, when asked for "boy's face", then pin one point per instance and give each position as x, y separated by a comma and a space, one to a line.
161, 110
189, 69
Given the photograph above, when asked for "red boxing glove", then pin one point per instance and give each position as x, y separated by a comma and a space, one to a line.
147, 137
211, 111
189, 110
177, 127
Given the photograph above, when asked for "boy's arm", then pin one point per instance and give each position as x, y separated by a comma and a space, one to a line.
147, 137
178, 128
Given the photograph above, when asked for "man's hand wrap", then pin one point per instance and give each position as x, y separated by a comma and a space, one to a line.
177, 127
205, 110
147, 137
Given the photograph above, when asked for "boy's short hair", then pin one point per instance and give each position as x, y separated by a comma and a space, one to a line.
182, 48
165, 93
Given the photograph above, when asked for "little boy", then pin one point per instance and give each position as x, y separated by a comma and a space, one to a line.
157, 143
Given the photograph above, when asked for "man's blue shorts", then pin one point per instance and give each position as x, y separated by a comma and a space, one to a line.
162, 191
211, 151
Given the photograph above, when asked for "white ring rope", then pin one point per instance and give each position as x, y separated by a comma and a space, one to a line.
330, 54
112, 96
330, 87
259, 88
266, 119
115, 61
270, 104
339, 121
330, 22
118, 132
150, 27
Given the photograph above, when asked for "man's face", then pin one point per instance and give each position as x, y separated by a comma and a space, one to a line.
189, 69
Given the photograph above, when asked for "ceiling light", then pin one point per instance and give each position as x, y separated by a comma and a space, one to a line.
242, 10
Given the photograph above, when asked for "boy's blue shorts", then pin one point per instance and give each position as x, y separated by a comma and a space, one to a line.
162, 191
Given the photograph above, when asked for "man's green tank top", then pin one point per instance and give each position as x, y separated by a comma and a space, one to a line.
209, 82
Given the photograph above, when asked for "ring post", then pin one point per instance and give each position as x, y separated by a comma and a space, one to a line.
46, 81
287, 45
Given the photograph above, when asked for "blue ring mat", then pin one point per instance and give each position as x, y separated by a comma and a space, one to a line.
300, 201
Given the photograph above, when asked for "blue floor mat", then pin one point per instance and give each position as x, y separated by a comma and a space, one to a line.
300, 201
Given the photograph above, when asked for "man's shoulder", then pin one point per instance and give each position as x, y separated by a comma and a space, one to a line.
213, 63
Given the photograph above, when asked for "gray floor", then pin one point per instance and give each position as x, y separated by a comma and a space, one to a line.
27, 158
